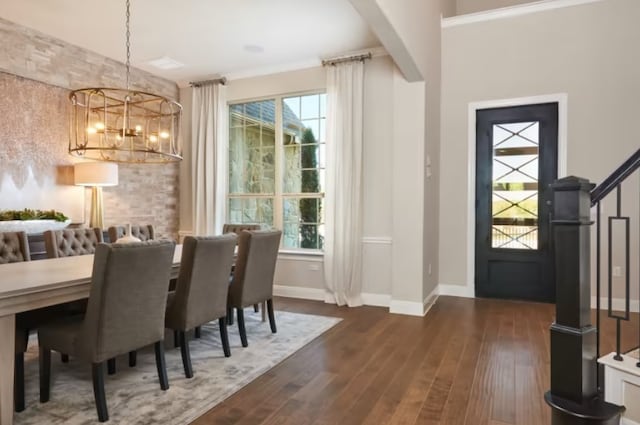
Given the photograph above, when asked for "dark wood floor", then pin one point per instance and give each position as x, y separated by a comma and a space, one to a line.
469, 361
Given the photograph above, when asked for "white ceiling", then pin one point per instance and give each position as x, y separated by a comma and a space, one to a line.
210, 37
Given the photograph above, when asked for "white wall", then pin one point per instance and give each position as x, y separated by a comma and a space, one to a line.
588, 52
299, 273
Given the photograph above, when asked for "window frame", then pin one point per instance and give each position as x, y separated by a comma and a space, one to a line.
278, 196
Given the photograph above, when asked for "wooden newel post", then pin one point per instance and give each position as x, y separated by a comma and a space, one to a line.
574, 397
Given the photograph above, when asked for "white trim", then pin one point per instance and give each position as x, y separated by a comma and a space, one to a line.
376, 300
410, 308
299, 256
616, 375
380, 240
617, 304
562, 100
316, 294
287, 291
430, 300
511, 11
456, 291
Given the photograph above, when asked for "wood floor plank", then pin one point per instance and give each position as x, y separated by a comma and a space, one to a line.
469, 361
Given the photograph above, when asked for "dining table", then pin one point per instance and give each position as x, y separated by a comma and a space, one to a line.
30, 285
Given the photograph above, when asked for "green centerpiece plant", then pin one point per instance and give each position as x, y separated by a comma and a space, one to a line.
29, 214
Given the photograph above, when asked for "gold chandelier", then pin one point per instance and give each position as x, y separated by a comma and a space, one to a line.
123, 125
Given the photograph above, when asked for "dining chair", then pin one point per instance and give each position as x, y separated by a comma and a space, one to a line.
126, 312
13, 249
201, 290
238, 227
252, 280
142, 232
71, 242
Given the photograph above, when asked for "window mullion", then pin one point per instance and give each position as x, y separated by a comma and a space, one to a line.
279, 152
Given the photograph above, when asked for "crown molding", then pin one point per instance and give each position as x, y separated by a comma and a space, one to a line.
511, 11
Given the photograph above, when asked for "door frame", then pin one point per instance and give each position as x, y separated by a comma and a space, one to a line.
562, 100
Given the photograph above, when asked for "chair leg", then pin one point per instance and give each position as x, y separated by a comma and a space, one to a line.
176, 339
272, 318
256, 308
186, 357
161, 366
229, 316
64, 358
224, 336
264, 311
18, 383
133, 358
241, 328
111, 366
198, 332
45, 374
97, 374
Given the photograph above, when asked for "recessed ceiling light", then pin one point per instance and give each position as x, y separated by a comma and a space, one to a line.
253, 48
165, 63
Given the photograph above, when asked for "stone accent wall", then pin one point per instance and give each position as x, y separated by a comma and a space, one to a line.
146, 193
32, 54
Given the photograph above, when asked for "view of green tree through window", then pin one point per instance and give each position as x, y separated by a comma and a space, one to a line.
276, 167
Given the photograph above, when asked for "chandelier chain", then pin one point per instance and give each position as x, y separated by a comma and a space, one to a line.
128, 43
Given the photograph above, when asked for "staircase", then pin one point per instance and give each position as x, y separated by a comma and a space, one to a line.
586, 387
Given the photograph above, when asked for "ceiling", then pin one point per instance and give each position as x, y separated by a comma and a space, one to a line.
210, 37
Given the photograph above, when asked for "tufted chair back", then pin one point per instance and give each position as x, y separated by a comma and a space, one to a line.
238, 228
144, 233
71, 242
14, 247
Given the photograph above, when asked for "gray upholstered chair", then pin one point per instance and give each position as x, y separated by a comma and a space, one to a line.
144, 233
252, 281
13, 249
126, 312
71, 242
201, 290
238, 228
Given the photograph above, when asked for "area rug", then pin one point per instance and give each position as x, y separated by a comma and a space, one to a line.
134, 395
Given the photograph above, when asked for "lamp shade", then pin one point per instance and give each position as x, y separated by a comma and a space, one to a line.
95, 174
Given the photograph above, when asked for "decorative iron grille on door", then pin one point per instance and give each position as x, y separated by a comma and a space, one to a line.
515, 186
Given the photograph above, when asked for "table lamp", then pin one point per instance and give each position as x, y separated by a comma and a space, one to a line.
96, 175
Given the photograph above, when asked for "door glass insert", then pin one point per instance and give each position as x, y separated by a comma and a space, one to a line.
514, 197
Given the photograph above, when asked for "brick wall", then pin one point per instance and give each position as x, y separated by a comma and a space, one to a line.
146, 193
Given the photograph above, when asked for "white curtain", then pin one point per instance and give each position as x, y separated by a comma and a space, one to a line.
208, 168
343, 197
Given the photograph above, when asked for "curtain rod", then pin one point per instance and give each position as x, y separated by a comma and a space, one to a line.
331, 62
222, 81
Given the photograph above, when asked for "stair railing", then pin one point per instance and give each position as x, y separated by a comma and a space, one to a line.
609, 188
576, 389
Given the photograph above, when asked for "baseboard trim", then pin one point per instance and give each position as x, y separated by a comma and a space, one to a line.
430, 300
410, 308
456, 291
617, 304
300, 292
316, 294
376, 300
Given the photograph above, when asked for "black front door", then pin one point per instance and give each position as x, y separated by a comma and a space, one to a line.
516, 160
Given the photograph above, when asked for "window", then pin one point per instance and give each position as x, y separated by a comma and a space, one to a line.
276, 167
